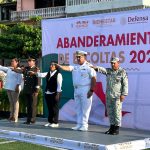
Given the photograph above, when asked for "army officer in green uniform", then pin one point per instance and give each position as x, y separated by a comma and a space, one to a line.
116, 90
30, 90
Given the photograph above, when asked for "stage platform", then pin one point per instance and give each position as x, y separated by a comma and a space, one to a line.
65, 138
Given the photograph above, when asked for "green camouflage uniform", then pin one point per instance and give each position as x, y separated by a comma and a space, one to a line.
117, 85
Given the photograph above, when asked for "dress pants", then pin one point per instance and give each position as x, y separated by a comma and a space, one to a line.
53, 108
14, 103
83, 105
31, 106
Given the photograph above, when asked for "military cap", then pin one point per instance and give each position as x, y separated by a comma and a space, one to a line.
114, 59
31, 59
81, 53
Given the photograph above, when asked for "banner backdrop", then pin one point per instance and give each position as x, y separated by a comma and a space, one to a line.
125, 35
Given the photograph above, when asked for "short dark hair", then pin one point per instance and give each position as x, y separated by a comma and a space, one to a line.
17, 60
55, 62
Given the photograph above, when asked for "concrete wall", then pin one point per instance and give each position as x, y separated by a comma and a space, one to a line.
23, 5
106, 5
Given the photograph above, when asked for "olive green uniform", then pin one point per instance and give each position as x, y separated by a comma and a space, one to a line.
31, 86
117, 85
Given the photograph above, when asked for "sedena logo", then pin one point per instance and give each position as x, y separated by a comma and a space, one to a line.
138, 19
104, 22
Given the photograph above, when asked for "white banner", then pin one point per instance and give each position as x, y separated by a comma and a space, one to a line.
124, 35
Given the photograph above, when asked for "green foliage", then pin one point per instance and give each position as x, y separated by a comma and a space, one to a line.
7, 1
4, 102
20, 40
40, 103
36, 18
3, 27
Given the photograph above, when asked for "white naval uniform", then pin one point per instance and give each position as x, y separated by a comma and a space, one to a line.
82, 75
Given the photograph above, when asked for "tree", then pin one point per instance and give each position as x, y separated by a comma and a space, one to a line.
6, 1
20, 40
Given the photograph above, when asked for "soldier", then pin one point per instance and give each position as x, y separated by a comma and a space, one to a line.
116, 90
84, 82
30, 90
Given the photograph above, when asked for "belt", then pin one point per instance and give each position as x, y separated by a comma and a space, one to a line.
80, 86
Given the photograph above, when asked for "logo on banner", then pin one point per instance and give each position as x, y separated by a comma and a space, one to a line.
137, 19
81, 24
91, 146
104, 22
134, 20
124, 146
29, 136
56, 140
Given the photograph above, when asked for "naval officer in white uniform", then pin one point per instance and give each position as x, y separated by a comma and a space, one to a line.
84, 82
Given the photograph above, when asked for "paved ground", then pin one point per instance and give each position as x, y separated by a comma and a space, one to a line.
94, 135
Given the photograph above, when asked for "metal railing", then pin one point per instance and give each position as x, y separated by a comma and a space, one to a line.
80, 2
51, 12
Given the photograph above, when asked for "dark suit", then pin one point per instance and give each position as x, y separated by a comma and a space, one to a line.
31, 86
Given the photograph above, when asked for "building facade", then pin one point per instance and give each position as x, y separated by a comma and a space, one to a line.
22, 10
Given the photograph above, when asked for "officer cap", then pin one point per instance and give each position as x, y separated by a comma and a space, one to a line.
114, 59
31, 59
81, 53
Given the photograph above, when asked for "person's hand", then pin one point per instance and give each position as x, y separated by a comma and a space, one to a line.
31, 73
122, 98
57, 97
94, 67
89, 94
35, 94
57, 65
17, 70
17, 88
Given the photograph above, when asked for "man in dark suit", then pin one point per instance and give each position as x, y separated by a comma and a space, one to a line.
30, 90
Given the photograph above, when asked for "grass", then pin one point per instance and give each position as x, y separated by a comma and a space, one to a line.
17, 145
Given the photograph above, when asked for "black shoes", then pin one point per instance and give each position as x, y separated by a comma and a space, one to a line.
32, 121
29, 122
110, 130
114, 130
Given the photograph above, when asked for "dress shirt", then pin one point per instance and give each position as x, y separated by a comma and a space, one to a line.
59, 80
82, 74
12, 78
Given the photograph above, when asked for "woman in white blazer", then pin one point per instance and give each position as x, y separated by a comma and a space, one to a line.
13, 87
